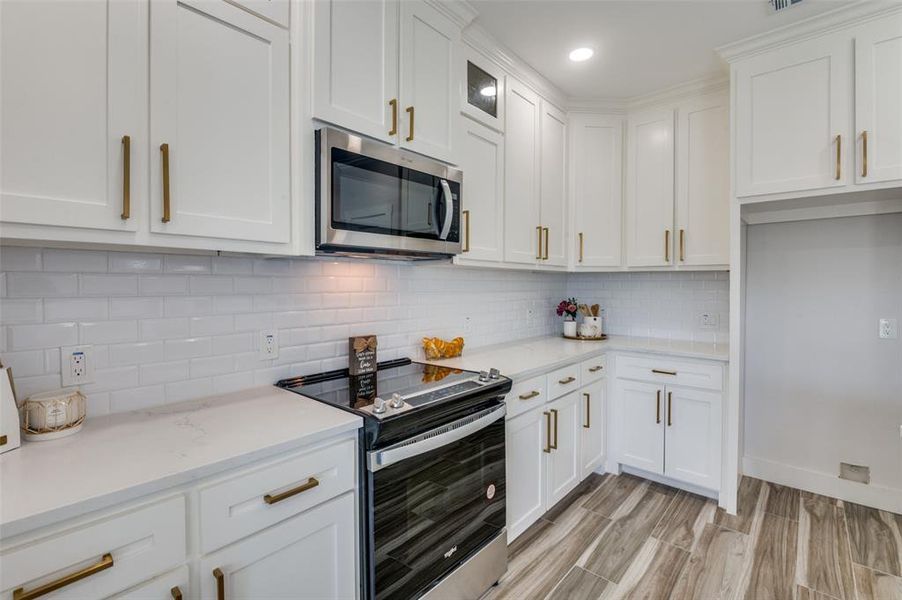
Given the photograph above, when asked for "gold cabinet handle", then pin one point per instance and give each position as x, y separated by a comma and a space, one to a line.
409, 110
466, 215
658, 408
311, 483
864, 153
2, 440
595, 369
553, 411
838, 157
539, 248
682, 245
588, 423
105, 563
164, 151
667, 245
176, 593
566, 380
663, 372
126, 177
530, 395
669, 409
580, 246
547, 448
547, 235
220, 583
394, 116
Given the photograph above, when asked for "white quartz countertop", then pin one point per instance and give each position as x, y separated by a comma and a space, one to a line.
124, 456
524, 358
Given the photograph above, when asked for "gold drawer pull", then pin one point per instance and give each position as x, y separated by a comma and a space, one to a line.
126, 177
105, 563
176, 593
409, 110
588, 423
554, 412
669, 409
580, 246
838, 157
394, 116
546, 230
595, 369
164, 151
566, 380
658, 408
864, 153
663, 372
309, 485
539, 250
667, 245
530, 395
547, 448
220, 583
682, 245
2, 440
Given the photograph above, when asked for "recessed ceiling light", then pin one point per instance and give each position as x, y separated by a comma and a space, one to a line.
489, 91
581, 54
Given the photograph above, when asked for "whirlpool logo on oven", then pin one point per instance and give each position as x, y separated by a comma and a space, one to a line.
451, 552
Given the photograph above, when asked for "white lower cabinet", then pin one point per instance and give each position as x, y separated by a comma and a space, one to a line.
312, 555
563, 472
164, 587
525, 470
592, 425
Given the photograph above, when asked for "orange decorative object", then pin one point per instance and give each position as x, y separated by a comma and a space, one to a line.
438, 348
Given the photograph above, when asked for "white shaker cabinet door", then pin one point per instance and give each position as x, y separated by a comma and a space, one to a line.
692, 437
553, 191
522, 231
878, 101
74, 85
164, 587
525, 441
219, 118
703, 182
310, 556
793, 118
564, 472
639, 425
429, 81
596, 179
482, 161
592, 432
649, 206
355, 65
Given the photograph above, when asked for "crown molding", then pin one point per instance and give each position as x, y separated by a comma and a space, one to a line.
461, 12
680, 91
828, 22
608, 106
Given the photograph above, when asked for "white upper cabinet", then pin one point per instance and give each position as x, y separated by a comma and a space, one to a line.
219, 123
481, 89
74, 85
274, 10
482, 161
522, 228
793, 118
553, 187
703, 182
355, 65
649, 220
596, 176
429, 81
878, 101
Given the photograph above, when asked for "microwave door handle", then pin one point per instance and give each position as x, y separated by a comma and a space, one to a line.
449, 210
431, 440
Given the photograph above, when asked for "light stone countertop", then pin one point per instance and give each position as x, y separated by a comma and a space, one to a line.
525, 358
120, 457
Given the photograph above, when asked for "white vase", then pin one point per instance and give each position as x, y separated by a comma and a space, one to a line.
570, 328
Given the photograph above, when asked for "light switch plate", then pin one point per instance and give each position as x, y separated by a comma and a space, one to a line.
76, 365
888, 329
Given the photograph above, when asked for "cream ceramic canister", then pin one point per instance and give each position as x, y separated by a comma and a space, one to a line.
570, 328
590, 327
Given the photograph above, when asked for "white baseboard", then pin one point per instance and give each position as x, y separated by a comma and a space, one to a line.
670, 482
884, 498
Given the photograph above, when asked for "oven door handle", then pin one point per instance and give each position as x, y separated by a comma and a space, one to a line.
449, 210
432, 439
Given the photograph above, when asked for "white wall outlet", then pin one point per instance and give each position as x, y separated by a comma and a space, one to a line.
888, 329
708, 320
77, 365
269, 344
468, 325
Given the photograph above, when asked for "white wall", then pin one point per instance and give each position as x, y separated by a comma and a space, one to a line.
820, 386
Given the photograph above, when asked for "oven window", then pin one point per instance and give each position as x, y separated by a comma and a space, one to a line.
378, 197
432, 511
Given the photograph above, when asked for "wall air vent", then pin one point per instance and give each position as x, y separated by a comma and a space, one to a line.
783, 4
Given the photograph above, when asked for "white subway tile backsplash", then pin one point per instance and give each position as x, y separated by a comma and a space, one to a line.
76, 309
13, 258
137, 353
25, 364
26, 310
75, 261
112, 378
126, 262
37, 285
188, 348
201, 326
108, 285
161, 329
164, 372
187, 264
137, 398
211, 284
227, 265
188, 306
136, 308
188, 389
209, 366
28, 337
107, 332
163, 285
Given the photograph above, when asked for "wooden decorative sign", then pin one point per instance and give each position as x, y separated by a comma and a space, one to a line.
362, 355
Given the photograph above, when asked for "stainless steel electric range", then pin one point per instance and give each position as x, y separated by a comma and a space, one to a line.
432, 476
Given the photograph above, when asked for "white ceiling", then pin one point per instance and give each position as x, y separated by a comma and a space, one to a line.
640, 46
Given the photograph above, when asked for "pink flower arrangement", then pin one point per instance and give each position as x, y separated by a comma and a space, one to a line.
567, 307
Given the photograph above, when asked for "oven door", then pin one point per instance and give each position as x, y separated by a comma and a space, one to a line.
439, 498
374, 197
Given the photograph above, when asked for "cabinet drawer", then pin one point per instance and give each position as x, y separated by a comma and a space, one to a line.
159, 588
562, 381
527, 394
262, 496
668, 371
138, 545
592, 369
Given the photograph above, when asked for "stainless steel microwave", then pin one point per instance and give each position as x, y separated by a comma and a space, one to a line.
372, 198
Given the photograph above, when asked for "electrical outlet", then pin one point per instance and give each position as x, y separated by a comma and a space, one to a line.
468, 325
888, 329
269, 344
77, 365
708, 320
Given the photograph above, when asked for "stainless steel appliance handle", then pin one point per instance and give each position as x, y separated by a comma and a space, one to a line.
449, 210
435, 438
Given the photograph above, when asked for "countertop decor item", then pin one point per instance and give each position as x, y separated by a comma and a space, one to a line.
53, 415
362, 354
586, 339
567, 308
9, 412
436, 348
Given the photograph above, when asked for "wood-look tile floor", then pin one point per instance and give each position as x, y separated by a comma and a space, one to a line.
625, 537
